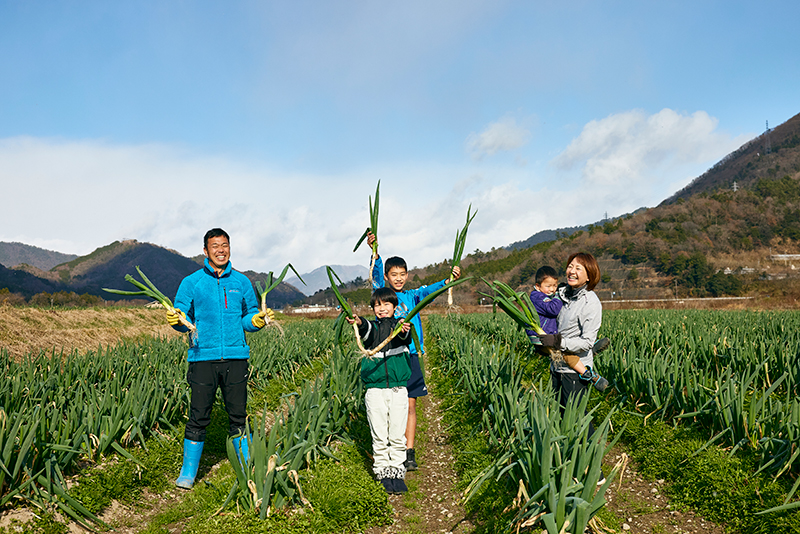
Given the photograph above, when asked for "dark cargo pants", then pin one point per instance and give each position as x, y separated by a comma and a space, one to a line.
204, 378
568, 386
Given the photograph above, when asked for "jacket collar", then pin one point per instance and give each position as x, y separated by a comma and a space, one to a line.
575, 294
210, 270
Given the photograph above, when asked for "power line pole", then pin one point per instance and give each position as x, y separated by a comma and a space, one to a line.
767, 142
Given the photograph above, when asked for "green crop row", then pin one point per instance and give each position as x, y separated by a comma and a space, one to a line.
551, 455
59, 408
731, 373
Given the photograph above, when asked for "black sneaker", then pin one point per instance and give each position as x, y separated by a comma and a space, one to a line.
411, 461
399, 486
601, 345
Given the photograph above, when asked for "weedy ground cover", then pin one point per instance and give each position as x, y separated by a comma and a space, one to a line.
106, 402
716, 478
548, 457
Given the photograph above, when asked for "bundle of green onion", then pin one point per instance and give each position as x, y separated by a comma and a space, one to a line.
458, 251
347, 312
517, 305
148, 289
373, 227
271, 284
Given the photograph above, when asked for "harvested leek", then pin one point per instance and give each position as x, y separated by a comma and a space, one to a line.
271, 284
148, 289
458, 252
373, 227
519, 307
347, 312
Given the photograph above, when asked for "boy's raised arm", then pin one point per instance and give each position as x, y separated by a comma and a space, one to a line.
377, 268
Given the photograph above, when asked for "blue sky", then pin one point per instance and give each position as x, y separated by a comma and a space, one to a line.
274, 120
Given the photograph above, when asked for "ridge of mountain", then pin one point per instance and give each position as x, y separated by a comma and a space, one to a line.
14, 253
318, 278
25, 283
764, 156
107, 266
558, 233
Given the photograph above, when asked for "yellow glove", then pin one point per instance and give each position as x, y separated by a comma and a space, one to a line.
174, 317
258, 319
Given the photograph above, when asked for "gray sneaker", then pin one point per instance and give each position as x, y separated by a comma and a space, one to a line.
601, 345
411, 461
600, 384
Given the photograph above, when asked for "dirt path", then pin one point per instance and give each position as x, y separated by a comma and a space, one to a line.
643, 508
433, 504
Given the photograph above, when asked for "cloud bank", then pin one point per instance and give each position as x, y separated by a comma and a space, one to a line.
636, 151
75, 196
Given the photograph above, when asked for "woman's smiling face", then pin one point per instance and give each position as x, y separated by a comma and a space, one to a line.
576, 274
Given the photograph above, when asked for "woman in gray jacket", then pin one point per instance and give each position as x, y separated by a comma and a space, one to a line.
578, 324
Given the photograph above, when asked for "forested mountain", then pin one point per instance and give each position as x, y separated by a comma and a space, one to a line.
107, 266
13, 254
708, 239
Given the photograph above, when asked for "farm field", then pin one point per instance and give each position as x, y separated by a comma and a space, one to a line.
703, 402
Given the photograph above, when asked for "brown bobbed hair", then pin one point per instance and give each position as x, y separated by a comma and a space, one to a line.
590, 264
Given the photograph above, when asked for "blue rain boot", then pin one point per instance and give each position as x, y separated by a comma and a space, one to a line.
192, 450
242, 449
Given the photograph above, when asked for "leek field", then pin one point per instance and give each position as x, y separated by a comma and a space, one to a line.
707, 400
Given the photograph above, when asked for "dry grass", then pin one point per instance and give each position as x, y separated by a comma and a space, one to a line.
25, 330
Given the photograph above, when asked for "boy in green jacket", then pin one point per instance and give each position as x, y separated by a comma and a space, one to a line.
385, 376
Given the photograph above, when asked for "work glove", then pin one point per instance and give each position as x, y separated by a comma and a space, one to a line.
174, 316
258, 319
551, 340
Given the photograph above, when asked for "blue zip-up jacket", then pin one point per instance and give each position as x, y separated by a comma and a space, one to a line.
222, 308
406, 301
548, 308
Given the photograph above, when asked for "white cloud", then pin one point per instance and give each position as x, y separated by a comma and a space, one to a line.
75, 196
635, 150
503, 135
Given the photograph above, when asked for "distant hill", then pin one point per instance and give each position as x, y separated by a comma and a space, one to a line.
26, 284
770, 155
13, 254
551, 235
107, 267
318, 278
280, 296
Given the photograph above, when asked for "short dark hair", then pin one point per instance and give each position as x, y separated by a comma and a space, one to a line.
394, 261
383, 294
215, 232
543, 273
591, 266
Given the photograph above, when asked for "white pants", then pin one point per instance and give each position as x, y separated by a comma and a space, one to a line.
387, 413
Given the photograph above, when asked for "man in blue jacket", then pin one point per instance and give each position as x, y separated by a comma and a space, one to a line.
222, 305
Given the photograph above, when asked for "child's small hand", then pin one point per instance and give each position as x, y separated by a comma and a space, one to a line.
456, 272
356, 319
404, 326
370, 238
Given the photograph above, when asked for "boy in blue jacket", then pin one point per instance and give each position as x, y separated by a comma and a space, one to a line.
395, 275
222, 305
